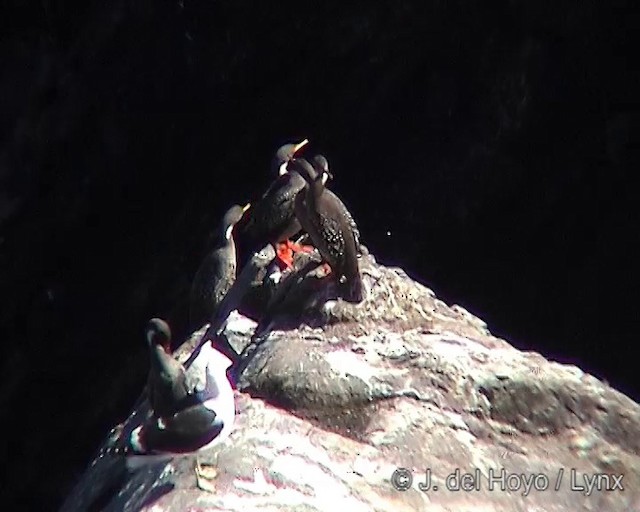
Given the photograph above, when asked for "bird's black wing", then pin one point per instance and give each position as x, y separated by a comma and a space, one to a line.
267, 213
347, 214
331, 232
184, 431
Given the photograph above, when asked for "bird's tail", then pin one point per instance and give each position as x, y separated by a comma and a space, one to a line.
352, 290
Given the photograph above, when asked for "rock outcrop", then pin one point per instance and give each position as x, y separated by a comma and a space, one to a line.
351, 407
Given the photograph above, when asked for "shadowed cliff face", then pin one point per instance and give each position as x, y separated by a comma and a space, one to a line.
127, 131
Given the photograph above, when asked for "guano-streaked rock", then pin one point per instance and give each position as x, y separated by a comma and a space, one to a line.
330, 405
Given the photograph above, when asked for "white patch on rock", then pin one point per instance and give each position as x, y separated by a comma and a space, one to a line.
372, 471
381, 438
306, 473
168, 470
583, 442
455, 343
455, 420
328, 490
239, 324
301, 448
258, 486
329, 306
392, 346
397, 422
292, 444
345, 362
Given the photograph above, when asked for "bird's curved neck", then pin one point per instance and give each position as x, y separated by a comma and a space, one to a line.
316, 186
224, 235
159, 357
282, 168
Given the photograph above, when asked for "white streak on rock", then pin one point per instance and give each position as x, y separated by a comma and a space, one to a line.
345, 362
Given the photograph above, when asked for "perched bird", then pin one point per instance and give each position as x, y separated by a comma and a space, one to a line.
272, 220
331, 228
184, 418
217, 272
321, 165
166, 383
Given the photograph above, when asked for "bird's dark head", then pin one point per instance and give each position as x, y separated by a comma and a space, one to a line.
321, 165
285, 154
232, 217
158, 333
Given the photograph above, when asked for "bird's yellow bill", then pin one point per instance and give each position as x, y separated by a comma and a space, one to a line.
300, 145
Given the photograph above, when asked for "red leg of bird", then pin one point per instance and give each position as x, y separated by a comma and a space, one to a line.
284, 256
299, 247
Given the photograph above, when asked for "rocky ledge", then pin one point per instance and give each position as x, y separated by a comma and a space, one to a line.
361, 408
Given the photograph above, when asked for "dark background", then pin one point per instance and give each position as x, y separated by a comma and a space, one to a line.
491, 139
